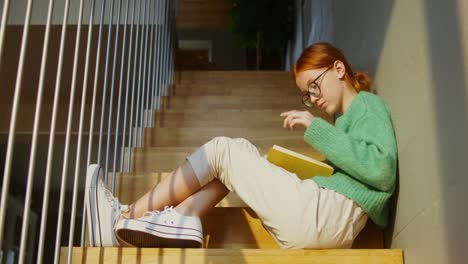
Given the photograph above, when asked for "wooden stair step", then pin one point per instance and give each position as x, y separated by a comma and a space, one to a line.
304, 149
167, 159
258, 256
163, 122
223, 117
197, 136
248, 89
213, 102
262, 77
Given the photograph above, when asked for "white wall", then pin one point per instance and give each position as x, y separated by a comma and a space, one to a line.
417, 52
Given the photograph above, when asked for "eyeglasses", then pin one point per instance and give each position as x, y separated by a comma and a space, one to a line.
313, 89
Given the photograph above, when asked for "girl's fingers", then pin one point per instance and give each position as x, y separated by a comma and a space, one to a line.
294, 121
287, 121
293, 118
287, 113
293, 115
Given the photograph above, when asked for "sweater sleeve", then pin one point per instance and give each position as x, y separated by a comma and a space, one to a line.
368, 156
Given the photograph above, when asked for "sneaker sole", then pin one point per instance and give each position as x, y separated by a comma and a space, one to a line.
145, 240
153, 235
92, 214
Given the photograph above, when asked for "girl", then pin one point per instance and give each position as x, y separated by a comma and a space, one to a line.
321, 212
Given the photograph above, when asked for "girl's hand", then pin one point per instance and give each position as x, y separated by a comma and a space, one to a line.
293, 118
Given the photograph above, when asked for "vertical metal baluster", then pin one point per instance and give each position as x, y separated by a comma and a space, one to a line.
174, 41
166, 38
67, 137
117, 126
166, 46
40, 92
80, 132
144, 87
163, 46
24, 230
139, 79
11, 133
54, 111
154, 48
111, 100
6, 8
150, 67
126, 91
104, 92
130, 138
160, 52
14, 112
171, 43
93, 108
157, 47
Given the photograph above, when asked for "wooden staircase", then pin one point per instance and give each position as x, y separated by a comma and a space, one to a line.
203, 105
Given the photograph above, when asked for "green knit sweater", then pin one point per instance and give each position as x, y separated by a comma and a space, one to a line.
363, 150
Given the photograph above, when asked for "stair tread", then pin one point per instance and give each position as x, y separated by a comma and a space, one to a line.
221, 111
235, 75
197, 136
289, 98
267, 130
306, 150
167, 255
224, 117
280, 102
168, 158
235, 89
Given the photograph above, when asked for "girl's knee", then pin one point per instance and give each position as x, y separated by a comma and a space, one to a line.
244, 143
220, 139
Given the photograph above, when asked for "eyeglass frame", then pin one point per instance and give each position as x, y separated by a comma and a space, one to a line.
308, 94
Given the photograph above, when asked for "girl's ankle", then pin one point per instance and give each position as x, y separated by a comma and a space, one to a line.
125, 214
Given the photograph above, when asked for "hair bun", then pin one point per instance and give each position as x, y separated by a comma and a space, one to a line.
361, 81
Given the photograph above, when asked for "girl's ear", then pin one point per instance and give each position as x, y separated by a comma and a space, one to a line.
340, 69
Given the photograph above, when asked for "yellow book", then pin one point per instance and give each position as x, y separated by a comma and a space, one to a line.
304, 167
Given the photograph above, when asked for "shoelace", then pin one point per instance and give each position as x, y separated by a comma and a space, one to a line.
114, 201
167, 209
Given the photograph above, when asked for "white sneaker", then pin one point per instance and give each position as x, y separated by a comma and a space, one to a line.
102, 209
161, 229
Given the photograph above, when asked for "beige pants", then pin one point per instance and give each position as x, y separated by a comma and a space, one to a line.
297, 213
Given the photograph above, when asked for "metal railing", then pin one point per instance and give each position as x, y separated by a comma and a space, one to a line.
142, 64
